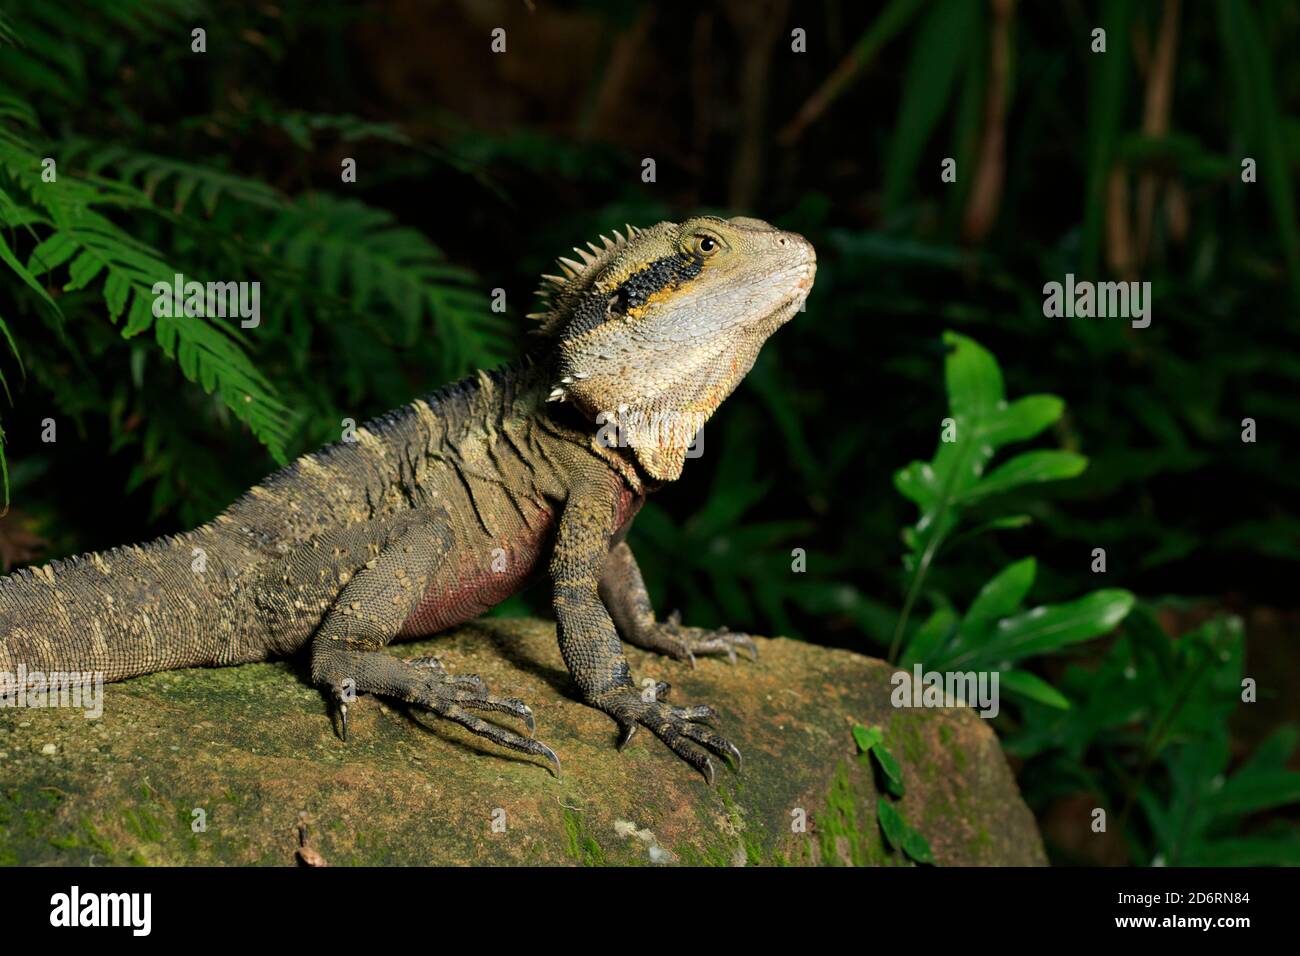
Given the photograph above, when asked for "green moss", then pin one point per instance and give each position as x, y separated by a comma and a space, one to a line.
757, 851
253, 748
86, 839
845, 825
582, 845
141, 823
26, 815
979, 844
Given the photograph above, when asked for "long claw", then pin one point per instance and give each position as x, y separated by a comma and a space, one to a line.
686, 730
343, 720
625, 734
550, 755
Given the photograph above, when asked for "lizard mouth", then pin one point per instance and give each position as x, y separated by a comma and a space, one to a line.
793, 303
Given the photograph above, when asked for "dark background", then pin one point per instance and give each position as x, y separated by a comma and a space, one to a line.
476, 169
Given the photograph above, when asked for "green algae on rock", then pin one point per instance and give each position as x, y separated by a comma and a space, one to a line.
231, 765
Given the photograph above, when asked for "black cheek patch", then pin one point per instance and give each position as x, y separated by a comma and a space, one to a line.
666, 273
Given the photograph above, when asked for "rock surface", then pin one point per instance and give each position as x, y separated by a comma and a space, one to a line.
254, 749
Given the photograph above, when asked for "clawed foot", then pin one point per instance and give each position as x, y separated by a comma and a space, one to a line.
426, 683
683, 729
452, 696
683, 643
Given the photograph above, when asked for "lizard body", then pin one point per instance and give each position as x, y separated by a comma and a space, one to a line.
442, 509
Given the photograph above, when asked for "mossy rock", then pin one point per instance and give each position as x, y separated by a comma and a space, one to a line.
254, 748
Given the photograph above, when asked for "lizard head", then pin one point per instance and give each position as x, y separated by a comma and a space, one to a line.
651, 331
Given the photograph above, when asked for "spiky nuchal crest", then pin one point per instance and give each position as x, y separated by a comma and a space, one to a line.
558, 293
662, 324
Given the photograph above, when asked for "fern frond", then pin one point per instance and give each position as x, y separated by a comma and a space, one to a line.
90, 246
350, 249
156, 176
300, 127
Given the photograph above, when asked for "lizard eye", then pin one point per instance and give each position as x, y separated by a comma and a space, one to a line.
705, 245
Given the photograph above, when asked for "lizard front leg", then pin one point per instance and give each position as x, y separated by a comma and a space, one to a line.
624, 593
591, 649
386, 570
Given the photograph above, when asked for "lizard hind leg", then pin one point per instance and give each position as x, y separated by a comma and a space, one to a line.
367, 613
624, 594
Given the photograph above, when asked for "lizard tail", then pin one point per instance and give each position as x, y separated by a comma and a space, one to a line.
116, 613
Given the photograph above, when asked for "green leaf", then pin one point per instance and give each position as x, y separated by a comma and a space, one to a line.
1022, 419
83, 271
943, 41
8, 258
1002, 595
867, 738
1250, 67
889, 767
917, 847
901, 836
982, 422
972, 377
1032, 687
1051, 627
930, 637
1106, 102
1250, 792
1031, 467
51, 253
1283, 850
891, 824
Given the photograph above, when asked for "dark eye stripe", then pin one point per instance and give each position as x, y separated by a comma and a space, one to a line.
670, 271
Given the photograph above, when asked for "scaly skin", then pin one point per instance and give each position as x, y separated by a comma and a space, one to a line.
444, 508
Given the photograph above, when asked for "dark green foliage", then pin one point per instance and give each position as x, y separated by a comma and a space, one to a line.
345, 283
226, 167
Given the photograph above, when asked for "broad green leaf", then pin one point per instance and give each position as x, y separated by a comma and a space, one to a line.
1251, 792
901, 836
972, 377
1032, 687
1031, 467
930, 637
1050, 627
867, 737
891, 824
889, 767
1002, 595
1274, 752
917, 846
1022, 419
981, 422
